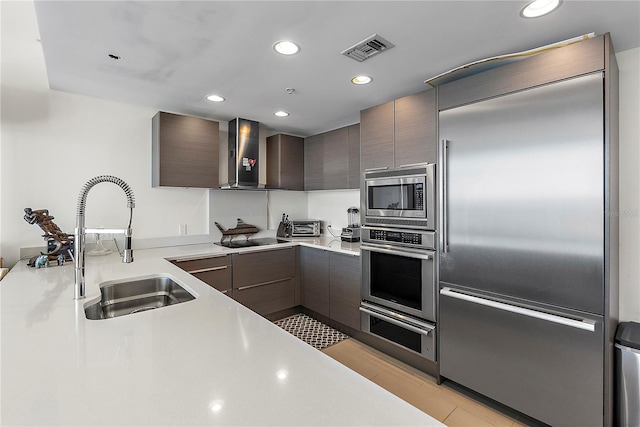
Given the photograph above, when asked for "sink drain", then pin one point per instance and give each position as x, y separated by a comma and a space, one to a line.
138, 310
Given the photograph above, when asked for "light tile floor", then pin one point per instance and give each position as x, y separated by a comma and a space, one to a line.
415, 387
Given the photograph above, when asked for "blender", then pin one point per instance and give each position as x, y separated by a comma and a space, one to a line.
351, 233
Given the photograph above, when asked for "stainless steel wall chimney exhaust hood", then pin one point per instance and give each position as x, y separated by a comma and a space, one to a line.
244, 148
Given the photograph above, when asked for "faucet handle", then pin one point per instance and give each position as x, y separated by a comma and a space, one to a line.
127, 253
127, 256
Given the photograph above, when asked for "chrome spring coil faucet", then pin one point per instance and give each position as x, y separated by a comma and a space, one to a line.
81, 231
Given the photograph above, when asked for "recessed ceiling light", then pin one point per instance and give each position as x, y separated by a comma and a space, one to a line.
281, 113
216, 405
538, 8
285, 47
215, 98
361, 80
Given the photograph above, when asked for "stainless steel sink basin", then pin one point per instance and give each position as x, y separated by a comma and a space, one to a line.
136, 295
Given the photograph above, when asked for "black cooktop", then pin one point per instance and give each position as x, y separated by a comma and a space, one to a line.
247, 243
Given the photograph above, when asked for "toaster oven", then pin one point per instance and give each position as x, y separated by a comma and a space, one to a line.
305, 228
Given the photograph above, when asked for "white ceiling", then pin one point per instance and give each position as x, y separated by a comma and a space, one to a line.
176, 53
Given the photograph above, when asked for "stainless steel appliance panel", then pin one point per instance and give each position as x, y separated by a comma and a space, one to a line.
403, 331
546, 364
523, 195
402, 280
403, 197
627, 367
628, 385
243, 153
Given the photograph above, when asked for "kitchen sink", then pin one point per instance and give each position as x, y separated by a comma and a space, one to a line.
132, 296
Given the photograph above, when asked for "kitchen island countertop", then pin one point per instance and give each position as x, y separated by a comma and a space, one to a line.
209, 361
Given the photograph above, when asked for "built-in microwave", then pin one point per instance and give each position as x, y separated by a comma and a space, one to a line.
403, 197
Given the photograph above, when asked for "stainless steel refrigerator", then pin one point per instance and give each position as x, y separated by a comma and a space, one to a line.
522, 229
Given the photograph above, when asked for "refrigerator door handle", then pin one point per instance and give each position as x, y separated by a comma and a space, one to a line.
585, 324
443, 194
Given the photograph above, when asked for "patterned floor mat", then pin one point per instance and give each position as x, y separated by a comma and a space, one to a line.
311, 331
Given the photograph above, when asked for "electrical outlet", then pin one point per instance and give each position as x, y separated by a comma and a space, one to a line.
182, 230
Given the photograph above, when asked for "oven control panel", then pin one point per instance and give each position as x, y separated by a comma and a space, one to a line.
419, 239
396, 236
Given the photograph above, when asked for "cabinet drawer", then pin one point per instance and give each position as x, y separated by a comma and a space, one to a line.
267, 298
194, 265
250, 268
217, 277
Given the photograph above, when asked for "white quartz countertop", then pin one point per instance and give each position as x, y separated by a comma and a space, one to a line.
209, 361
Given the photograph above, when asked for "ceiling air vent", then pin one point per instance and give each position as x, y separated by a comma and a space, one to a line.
367, 48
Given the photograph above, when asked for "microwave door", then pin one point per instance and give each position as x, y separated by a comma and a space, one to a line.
384, 197
397, 196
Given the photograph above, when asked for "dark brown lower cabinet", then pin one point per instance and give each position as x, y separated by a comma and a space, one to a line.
331, 285
315, 279
215, 271
264, 281
267, 298
344, 289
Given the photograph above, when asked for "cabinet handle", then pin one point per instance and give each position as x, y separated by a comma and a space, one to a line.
200, 258
411, 165
242, 288
585, 324
265, 250
204, 270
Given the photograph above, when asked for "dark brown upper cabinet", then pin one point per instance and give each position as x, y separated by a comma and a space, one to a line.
313, 162
332, 159
336, 159
285, 162
553, 65
354, 156
185, 151
376, 136
399, 132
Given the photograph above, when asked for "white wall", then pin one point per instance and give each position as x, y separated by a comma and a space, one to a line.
53, 142
264, 209
331, 207
629, 65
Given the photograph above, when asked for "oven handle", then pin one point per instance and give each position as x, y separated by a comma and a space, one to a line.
424, 329
404, 252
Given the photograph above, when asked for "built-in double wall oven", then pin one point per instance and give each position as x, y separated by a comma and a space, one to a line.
399, 258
